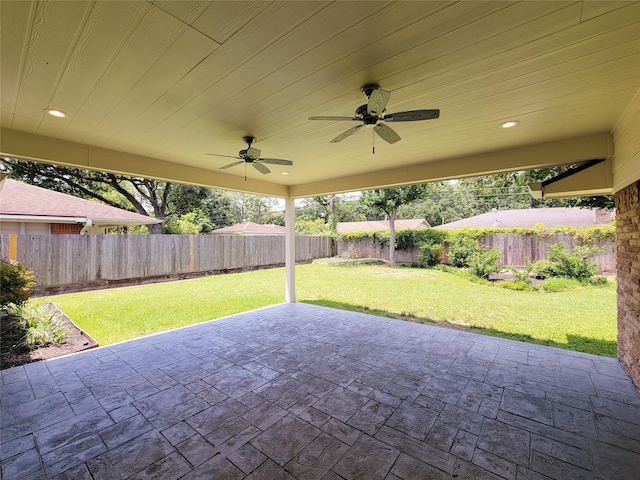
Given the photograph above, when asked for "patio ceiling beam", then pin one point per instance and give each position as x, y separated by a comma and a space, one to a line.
591, 178
561, 152
37, 148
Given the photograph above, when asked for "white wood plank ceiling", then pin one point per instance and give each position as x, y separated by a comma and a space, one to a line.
173, 80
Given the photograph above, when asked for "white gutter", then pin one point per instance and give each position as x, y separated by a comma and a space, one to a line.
86, 227
123, 221
42, 218
95, 221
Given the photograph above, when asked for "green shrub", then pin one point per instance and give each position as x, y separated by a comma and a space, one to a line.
542, 268
576, 264
409, 239
464, 273
599, 281
380, 236
15, 281
521, 285
522, 275
484, 262
587, 235
461, 251
431, 253
560, 263
38, 325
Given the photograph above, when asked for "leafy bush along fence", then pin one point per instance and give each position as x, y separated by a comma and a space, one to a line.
84, 261
516, 245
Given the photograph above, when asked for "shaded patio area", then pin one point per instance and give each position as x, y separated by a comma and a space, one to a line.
300, 391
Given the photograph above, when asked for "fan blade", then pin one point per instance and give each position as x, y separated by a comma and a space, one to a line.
224, 156
276, 161
378, 102
346, 134
253, 153
386, 133
261, 168
412, 116
328, 117
232, 164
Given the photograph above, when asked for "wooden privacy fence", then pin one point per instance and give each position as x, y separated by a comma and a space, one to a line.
515, 249
99, 260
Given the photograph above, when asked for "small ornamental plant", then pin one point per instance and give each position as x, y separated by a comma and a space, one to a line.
37, 325
16, 281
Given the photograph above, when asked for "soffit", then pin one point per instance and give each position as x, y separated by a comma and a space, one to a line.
153, 86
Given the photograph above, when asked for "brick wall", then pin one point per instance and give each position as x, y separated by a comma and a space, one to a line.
628, 266
66, 228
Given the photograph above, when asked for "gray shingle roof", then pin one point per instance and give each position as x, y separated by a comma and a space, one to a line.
530, 217
344, 227
252, 228
17, 198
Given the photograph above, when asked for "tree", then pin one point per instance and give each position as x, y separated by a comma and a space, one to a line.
443, 202
332, 209
388, 201
192, 223
454, 200
256, 208
153, 198
312, 227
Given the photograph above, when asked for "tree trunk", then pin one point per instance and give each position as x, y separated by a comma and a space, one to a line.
392, 238
155, 228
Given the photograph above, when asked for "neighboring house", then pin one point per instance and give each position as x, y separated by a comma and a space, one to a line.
250, 228
344, 227
530, 217
27, 209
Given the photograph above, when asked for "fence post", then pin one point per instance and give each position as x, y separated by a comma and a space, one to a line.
13, 247
192, 257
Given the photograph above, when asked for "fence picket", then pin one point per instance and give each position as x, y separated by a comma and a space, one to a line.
515, 249
60, 260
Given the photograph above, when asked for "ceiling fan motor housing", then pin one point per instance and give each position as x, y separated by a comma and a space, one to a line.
367, 89
367, 118
243, 154
374, 111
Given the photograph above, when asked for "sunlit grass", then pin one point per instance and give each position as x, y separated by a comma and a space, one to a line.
119, 314
582, 319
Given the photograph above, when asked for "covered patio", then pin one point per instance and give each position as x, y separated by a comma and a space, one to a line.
149, 88
308, 392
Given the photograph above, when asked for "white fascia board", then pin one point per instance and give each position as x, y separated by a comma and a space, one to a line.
114, 222
42, 218
37, 148
596, 179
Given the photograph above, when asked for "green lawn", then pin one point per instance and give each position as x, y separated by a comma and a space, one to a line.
583, 319
119, 314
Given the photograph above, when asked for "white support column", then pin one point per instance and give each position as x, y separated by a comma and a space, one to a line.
290, 250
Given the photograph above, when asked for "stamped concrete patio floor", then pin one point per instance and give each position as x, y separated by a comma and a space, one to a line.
299, 391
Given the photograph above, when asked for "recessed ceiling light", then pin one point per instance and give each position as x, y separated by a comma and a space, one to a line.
55, 113
285, 173
509, 124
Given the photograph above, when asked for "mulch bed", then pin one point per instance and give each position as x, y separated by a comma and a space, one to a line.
13, 355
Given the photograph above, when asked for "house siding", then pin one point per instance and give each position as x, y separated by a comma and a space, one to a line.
628, 269
22, 228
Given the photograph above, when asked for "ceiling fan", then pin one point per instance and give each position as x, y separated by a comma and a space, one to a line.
252, 155
374, 111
